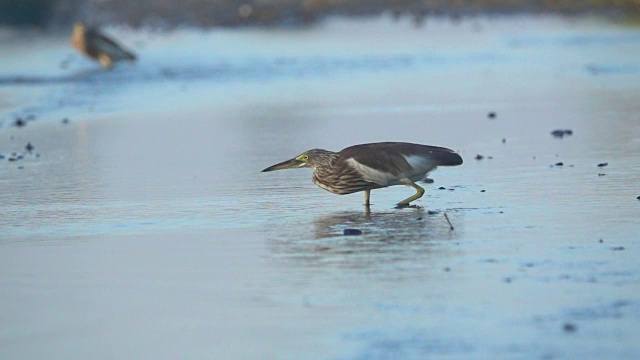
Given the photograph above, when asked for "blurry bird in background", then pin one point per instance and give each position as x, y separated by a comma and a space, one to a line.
98, 46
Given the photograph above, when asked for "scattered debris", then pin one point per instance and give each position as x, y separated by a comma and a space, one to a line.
447, 217
617, 248
29, 147
427, 181
504, 140
559, 163
479, 157
491, 115
349, 232
560, 133
601, 174
603, 164
433, 212
600, 241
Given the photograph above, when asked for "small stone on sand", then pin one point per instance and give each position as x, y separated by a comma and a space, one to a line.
349, 232
560, 133
569, 327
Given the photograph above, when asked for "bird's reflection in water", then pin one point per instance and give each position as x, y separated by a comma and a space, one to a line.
388, 238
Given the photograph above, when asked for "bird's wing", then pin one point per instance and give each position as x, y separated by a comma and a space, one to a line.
385, 163
102, 43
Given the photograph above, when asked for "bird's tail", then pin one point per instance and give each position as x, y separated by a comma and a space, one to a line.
447, 157
127, 55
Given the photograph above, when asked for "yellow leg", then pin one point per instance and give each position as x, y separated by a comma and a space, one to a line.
416, 196
367, 196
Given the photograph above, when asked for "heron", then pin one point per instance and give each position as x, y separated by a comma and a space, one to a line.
366, 167
98, 46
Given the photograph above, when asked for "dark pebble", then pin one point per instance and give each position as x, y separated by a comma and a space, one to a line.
569, 327
638, 198
482, 190
352, 232
489, 157
427, 181
1, 156
442, 188
479, 157
504, 141
65, 121
20, 167
507, 280
29, 147
617, 248
559, 163
12, 159
419, 218
433, 212
491, 115
447, 269
19, 123
601, 174
603, 164
560, 133
600, 241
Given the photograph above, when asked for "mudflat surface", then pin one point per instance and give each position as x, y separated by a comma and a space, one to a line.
143, 228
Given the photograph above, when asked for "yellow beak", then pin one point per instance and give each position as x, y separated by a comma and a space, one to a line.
288, 164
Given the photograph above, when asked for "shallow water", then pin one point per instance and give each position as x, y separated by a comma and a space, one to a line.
144, 228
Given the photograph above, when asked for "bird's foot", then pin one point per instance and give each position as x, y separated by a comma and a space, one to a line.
405, 206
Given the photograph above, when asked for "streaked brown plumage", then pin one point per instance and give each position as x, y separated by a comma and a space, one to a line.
97, 46
372, 166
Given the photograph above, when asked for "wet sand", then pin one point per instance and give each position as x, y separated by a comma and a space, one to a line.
143, 228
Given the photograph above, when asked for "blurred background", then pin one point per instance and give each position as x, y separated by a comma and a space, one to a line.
207, 13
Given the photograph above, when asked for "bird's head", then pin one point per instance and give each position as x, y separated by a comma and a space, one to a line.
311, 159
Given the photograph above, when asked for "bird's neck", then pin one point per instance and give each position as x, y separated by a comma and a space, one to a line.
324, 170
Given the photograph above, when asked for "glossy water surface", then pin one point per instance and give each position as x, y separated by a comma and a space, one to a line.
144, 228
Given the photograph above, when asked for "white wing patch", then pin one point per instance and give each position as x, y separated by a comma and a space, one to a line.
419, 169
420, 164
370, 174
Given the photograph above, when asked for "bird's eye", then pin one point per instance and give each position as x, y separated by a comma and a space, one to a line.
304, 157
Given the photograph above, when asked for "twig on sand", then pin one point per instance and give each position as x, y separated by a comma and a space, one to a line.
447, 217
